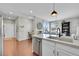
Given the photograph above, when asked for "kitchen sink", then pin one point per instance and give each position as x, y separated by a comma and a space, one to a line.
62, 38
52, 37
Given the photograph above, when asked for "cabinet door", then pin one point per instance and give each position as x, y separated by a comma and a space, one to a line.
71, 49
47, 48
9, 29
61, 52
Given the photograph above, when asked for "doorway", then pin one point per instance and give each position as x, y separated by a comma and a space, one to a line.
9, 37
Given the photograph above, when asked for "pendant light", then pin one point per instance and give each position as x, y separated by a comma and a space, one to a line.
54, 12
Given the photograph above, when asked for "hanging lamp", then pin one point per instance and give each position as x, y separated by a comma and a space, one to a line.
54, 12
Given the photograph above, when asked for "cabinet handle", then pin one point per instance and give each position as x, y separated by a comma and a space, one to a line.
57, 53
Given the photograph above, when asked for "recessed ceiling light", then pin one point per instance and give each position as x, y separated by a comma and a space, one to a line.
9, 17
10, 12
31, 11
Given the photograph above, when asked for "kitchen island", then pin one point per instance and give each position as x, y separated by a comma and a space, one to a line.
57, 46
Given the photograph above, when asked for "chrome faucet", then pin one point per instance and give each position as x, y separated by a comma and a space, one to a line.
58, 31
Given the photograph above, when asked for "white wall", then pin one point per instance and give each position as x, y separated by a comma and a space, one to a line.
74, 23
24, 25
36, 21
74, 26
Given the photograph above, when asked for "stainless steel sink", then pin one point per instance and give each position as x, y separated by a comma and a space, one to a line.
52, 37
63, 38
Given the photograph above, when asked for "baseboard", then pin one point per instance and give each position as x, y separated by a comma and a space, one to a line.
10, 38
21, 39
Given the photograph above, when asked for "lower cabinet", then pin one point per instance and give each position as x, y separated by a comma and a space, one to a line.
48, 48
61, 52
66, 50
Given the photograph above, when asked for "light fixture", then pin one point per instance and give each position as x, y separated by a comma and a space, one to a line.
54, 12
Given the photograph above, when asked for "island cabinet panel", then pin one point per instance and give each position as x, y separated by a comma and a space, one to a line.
69, 49
48, 48
61, 52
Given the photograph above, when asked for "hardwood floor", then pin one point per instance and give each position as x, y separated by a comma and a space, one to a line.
17, 48
25, 48
9, 47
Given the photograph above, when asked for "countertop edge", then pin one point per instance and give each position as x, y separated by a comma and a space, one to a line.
61, 42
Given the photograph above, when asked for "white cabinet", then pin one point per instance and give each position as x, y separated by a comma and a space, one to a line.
61, 52
69, 50
48, 48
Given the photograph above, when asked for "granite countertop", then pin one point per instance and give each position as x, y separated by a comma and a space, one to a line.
75, 43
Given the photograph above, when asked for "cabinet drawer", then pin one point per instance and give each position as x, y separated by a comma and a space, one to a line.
72, 50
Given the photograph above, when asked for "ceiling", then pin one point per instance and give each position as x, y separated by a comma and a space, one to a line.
42, 10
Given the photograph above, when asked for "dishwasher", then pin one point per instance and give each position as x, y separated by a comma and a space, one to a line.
37, 46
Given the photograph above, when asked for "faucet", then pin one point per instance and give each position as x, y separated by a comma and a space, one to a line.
58, 32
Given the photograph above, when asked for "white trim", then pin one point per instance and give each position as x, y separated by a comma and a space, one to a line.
22, 39
2, 36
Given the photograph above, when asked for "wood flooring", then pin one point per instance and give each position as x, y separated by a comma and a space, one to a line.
12, 47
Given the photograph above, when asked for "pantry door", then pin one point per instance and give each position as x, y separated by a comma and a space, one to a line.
9, 37
9, 29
